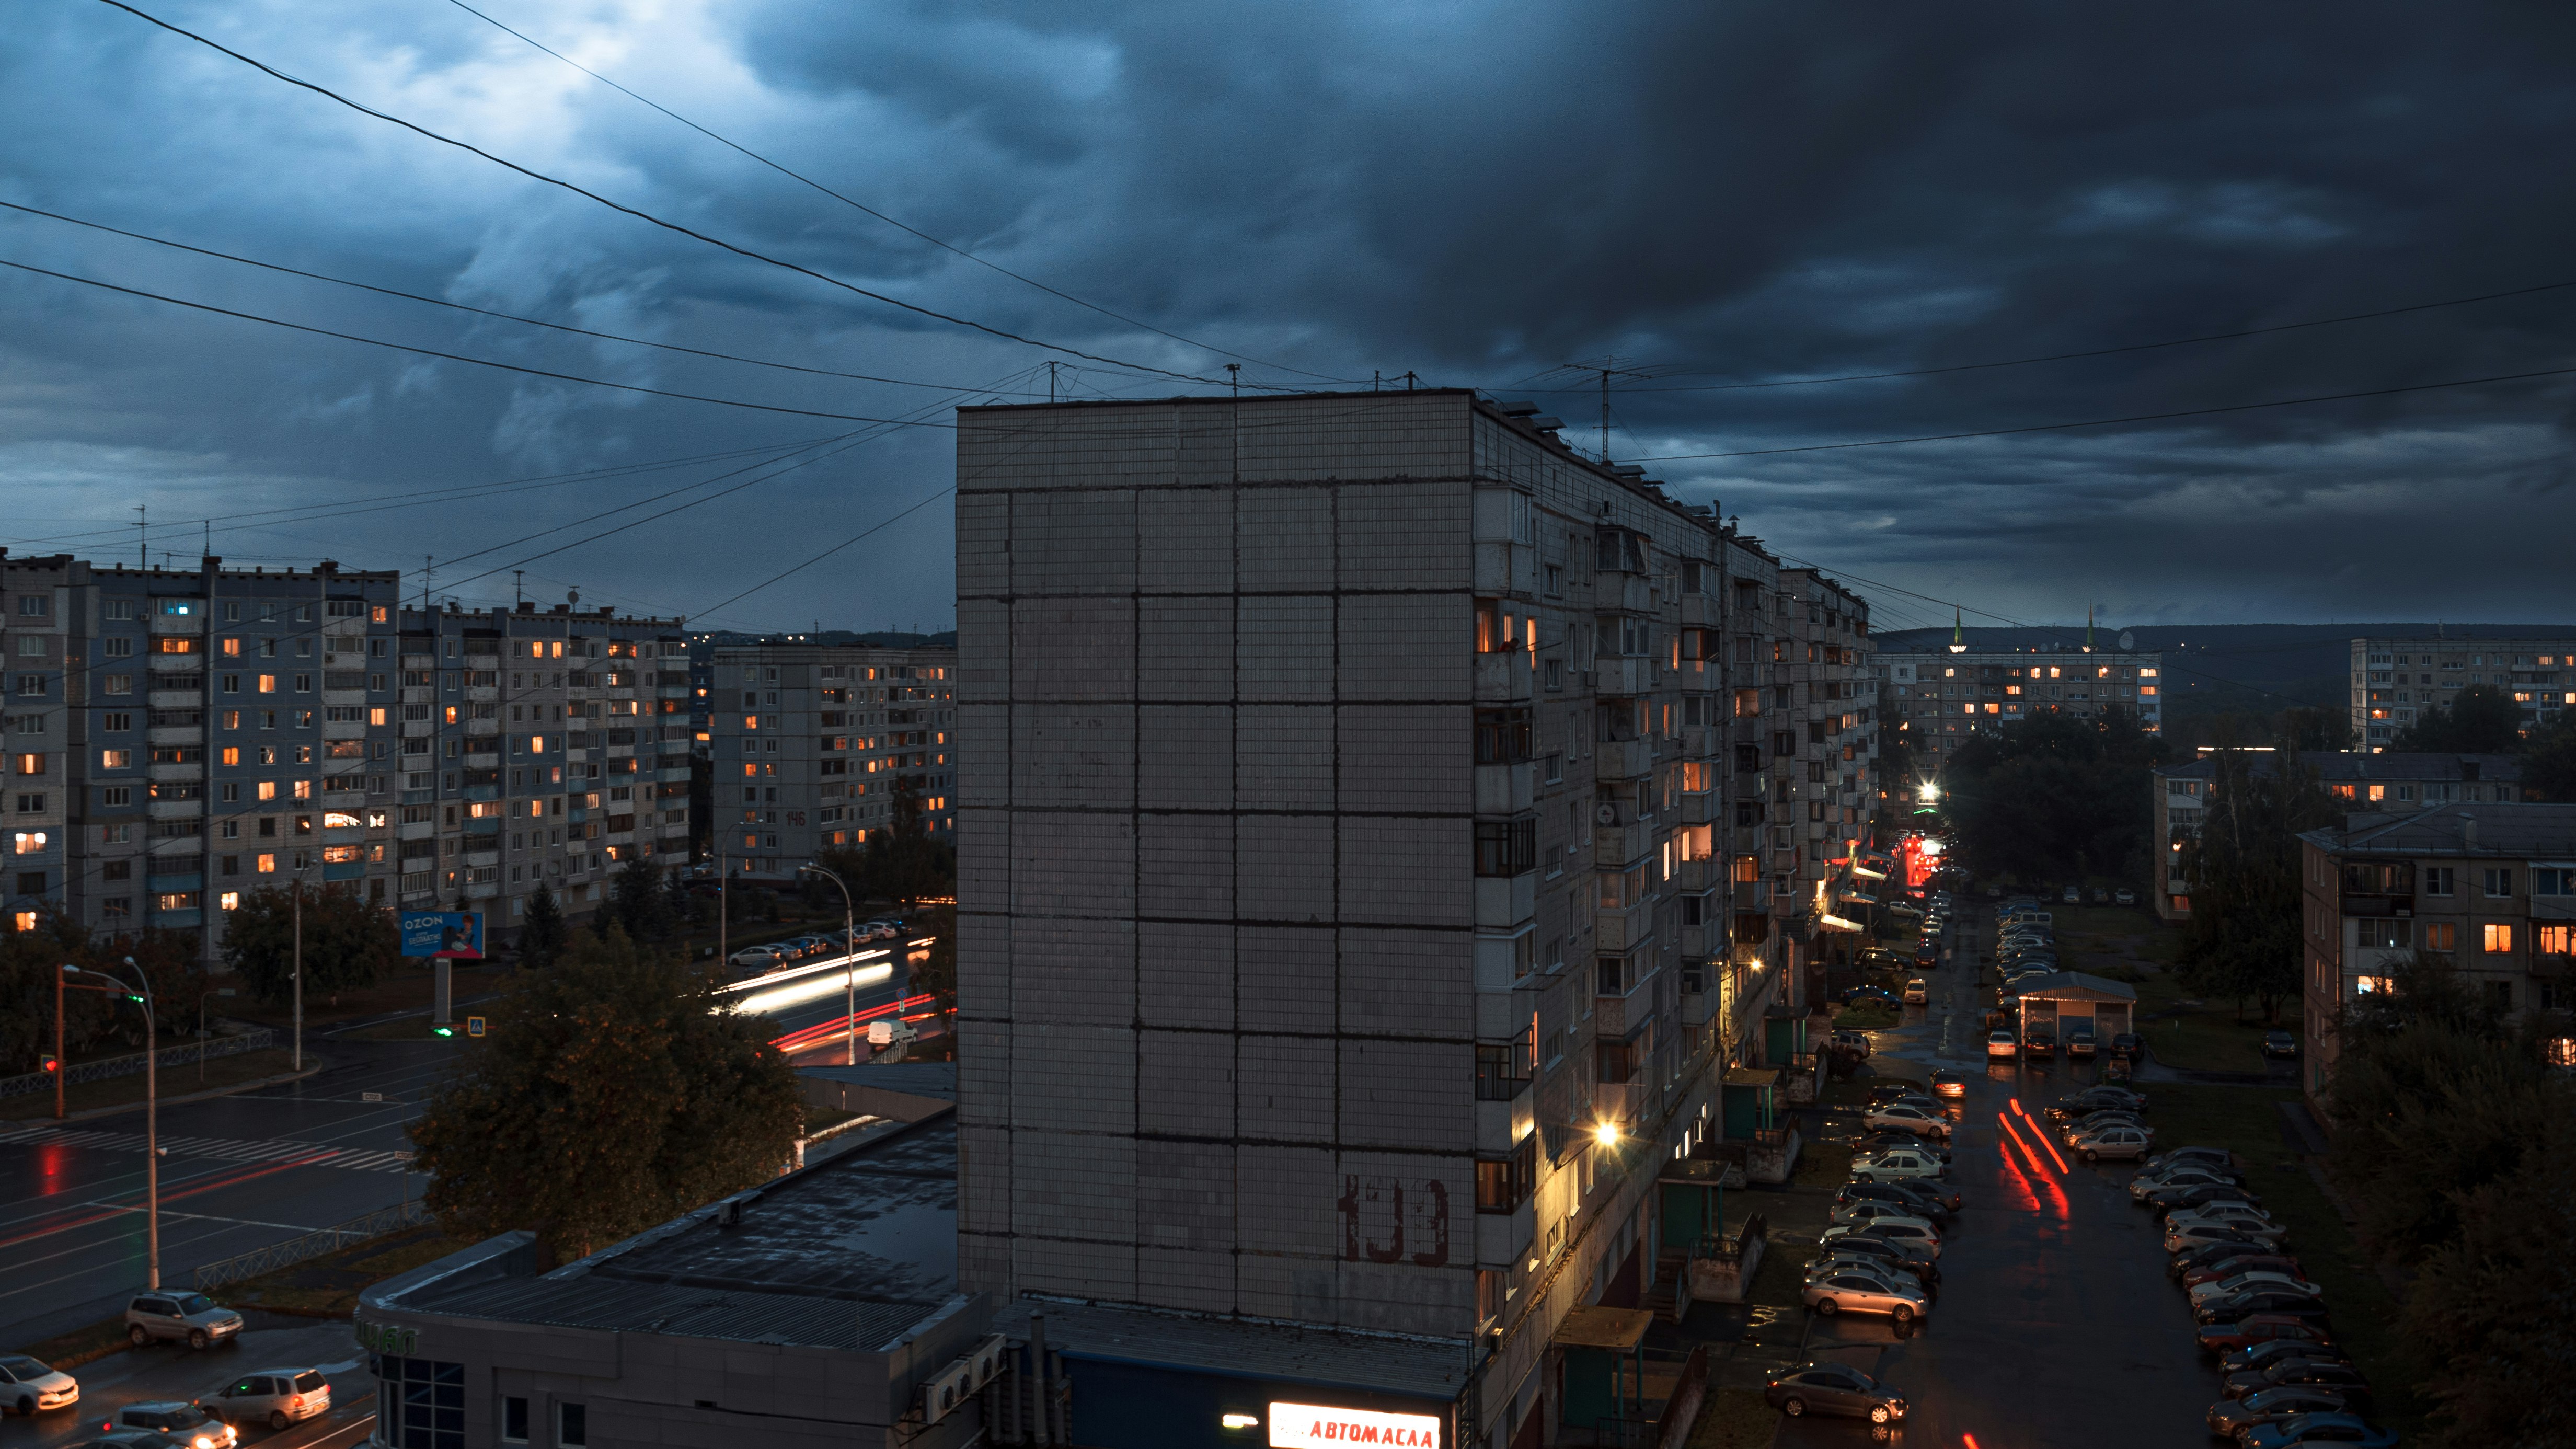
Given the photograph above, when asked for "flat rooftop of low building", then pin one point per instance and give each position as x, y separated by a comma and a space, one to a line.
2527, 831
1283, 1352
849, 1254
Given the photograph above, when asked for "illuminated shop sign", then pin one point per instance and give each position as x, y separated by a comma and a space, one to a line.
1314, 1426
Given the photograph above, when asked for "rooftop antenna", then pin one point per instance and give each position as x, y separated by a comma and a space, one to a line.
210, 537
1051, 382
1608, 367
425, 562
142, 538
518, 586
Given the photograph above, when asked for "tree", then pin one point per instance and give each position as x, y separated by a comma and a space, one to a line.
2482, 720
2549, 760
2242, 939
2053, 794
2307, 728
613, 1092
901, 861
2494, 1309
636, 899
346, 941
542, 931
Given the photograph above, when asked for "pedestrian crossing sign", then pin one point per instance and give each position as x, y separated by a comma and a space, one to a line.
473, 1026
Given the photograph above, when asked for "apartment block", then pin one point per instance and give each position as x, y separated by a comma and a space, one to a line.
1350, 923
2490, 886
2184, 790
1820, 711
1942, 698
174, 737
808, 742
539, 749
2395, 680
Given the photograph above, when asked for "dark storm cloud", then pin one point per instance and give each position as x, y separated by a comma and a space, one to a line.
1716, 195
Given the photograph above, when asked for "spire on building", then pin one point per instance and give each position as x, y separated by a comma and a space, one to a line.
1958, 632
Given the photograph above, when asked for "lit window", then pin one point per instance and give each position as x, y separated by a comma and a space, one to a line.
2498, 936
231, 900
268, 789
2372, 983
24, 920
268, 865
268, 684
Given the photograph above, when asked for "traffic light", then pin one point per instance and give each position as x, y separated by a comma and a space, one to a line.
52, 1065
442, 1031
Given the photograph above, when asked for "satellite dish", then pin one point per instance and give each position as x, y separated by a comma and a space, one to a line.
1607, 814
572, 596
2128, 641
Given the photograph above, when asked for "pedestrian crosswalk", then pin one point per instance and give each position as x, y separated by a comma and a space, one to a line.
220, 1149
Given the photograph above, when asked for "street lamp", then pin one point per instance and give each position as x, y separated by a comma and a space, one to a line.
850, 951
151, 1105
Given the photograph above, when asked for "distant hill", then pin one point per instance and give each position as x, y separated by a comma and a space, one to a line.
836, 638
2226, 668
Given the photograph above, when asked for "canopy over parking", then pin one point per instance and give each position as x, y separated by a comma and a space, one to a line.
2058, 1000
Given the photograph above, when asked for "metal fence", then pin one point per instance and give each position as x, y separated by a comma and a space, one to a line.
185, 1054
310, 1245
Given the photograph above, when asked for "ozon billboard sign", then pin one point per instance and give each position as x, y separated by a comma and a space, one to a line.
1314, 1426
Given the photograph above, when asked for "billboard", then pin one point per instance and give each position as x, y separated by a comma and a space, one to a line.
457, 935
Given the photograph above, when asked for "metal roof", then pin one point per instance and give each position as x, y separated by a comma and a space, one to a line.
2504, 832
2076, 986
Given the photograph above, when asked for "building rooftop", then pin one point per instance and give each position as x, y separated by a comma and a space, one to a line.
1293, 1353
846, 1254
2336, 766
2524, 831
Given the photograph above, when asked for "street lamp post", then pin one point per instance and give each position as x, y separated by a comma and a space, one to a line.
151, 1107
849, 950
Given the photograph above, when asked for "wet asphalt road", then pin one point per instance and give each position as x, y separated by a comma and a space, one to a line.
2056, 1325
170, 1371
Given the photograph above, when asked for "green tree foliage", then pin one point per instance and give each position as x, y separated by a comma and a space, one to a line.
2306, 728
2482, 720
637, 900
2455, 1144
702, 806
2242, 939
902, 862
542, 930
2053, 795
2549, 760
93, 1022
613, 1092
346, 941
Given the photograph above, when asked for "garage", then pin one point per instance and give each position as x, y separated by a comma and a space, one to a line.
2060, 999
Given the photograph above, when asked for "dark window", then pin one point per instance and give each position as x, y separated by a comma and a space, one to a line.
514, 1420
1502, 736
1503, 1184
1506, 847
1502, 1069
429, 1398
1618, 1061
572, 1424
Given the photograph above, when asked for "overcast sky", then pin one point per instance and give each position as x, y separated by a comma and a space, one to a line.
1713, 195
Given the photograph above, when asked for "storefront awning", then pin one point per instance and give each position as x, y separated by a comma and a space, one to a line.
1593, 1326
1751, 1077
1836, 923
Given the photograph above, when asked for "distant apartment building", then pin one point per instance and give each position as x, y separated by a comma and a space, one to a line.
2490, 887
1942, 699
1369, 819
2394, 681
809, 741
2182, 792
176, 738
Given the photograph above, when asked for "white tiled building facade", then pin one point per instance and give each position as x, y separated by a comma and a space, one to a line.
2395, 680
1354, 794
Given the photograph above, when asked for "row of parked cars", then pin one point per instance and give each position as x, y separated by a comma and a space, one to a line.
774, 955
2077, 895
1881, 1248
276, 1397
2282, 1380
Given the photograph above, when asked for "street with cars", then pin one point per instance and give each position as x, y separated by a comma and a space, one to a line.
279, 1383
2040, 1269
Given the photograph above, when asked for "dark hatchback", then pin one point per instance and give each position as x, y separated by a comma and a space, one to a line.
2255, 1301
2227, 1416
2330, 1374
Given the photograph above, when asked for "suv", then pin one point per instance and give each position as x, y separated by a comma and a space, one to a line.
192, 1318
278, 1396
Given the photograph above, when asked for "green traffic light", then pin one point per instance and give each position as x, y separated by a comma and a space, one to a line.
442, 1031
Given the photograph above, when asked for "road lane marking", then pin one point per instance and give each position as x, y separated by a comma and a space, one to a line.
222, 1149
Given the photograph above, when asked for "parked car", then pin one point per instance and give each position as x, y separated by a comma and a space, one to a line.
2124, 897
1903, 1253
1879, 1091
1833, 1388
1947, 1083
2002, 1044
2229, 1267
2280, 1044
2230, 1307
2304, 1370
2216, 1251
2101, 895
2221, 1337
2254, 1220
751, 960
1924, 1200
2128, 1046
276, 1397
2248, 1279
1896, 1164
2121, 1140
1911, 1231
2039, 1044
190, 1318
2206, 1195
2230, 1417
1917, 992
1857, 1292
186, 1421
2166, 1189
2094, 1099
2218, 1157
32, 1386
2079, 1040
1907, 1117
2179, 1236
2340, 1429
877, 930
1904, 1273
1854, 1042
1859, 1210
2277, 1350
2072, 895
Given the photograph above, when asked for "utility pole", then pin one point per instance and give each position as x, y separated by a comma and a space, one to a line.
1051, 367
850, 954
1608, 368
298, 977
724, 898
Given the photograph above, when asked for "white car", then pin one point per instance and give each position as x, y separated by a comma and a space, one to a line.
1895, 1165
2002, 1044
183, 1420
1912, 1233
1865, 1292
31, 1386
1904, 1117
276, 1397
2192, 1235
756, 958
2112, 1141
1916, 993
2259, 1278
1863, 1210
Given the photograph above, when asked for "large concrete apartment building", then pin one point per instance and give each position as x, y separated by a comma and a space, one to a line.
175, 738
1943, 698
1362, 805
2394, 681
2491, 887
808, 741
2184, 791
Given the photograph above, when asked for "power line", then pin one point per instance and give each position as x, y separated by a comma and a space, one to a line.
805, 180
476, 311
1669, 370
449, 356
644, 216
2138, 418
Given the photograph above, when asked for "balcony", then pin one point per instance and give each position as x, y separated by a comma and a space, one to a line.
1502, 678
482, 693
1615, 591
1700, 611
194, 623
1623, 675
483, 760
1690, 877
1701, 807
1505, 901
1621, 759
416, 830
161, 664
344, 729
168, 852
160, 773
482, 890
170, 697
178, 809
419, 729
1619, 928
1616, 847
482, 728
1628, 1012
1500, 789
1503, 568
478, 858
